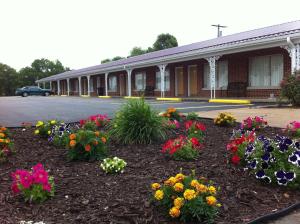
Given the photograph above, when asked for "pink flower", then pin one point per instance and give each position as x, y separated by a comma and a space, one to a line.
47, 187
38, 167
26, 179
40, 177
15, 188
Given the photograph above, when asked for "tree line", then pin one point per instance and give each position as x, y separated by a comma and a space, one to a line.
10, 79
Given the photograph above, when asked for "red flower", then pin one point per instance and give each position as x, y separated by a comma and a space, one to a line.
188, 124
82, 122
200, 126
235, 159
195, 142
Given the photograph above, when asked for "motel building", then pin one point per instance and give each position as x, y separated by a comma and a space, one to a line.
249, 64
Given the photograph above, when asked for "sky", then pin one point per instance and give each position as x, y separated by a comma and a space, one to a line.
81, 33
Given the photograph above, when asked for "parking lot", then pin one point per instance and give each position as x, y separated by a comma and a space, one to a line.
15, 110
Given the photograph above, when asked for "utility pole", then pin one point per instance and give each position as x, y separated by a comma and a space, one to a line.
219, 31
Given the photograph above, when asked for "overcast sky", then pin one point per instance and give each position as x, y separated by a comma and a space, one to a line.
81, 33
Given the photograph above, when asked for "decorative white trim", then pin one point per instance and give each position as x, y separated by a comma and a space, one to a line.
162, 69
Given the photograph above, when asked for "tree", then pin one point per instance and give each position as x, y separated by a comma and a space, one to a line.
117, 58
137, 51
105, 61
165, 41
8, 80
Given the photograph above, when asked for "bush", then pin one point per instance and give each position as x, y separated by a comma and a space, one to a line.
182, 148
95, 122
192, 116
254, 123
290, 88
224, 119
43, 129
187, 198
137, 123
6, 145
87, 145
275, 160
113, 165
35, 185
293, 129
195, 129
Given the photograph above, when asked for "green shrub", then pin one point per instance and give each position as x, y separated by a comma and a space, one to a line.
290, 89
192, 116
137, 123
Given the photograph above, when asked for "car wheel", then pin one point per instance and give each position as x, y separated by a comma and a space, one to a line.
47, 94
25, 94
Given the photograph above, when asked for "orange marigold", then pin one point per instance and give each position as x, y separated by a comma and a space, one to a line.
72, 143
87, 148
2, 135
97, 133
72, 136
95, 142
3, 128
103, 139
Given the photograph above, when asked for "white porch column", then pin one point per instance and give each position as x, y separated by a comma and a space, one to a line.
294, 53
79, 85
50, 85
68, 86
162, 69
129, 81
88, 83
38, 84
106, 90
212, 74
58, 87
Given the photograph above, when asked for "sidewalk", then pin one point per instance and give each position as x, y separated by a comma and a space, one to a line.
276, 117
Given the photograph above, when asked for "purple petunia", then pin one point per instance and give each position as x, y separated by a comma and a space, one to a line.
284, 177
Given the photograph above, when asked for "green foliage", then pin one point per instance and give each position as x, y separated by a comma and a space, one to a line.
165, 41
137, 51
290, 88
137, 123
117, 58
192, 116
8, 80
87, 145
90, 125
105, 61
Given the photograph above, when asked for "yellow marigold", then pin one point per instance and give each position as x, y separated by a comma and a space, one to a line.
72, 143
178, 187
39, 123
36, 132
189, 194
178, 202
212, 190
179, 177
72, 136
2, 135
211, 200
194, 183
53, 122
159, 195
201, 188
171, 181
7, 141
219, 205
1, 140
174, 212
155, 186
49, 132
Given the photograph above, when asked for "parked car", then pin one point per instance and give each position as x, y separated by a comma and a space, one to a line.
33, 90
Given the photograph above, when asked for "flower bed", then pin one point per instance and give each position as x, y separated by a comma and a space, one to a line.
86, 194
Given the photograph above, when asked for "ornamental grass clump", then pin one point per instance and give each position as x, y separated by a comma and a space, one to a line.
225, 119
254, 123
182, 148
113, 165
87, 145
43, 129
6, 145
274, 161
187, 198
137, 123
35, 185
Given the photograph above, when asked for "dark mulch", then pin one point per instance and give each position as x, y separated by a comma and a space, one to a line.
84, 194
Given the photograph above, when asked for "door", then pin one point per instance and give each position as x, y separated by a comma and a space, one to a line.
179, 82
122, 82
192, 80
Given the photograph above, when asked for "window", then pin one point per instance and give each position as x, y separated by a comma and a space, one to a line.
140, 81
112, 83
265, 70
167, 80
221, 75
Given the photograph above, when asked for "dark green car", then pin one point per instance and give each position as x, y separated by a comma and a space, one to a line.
33, 90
